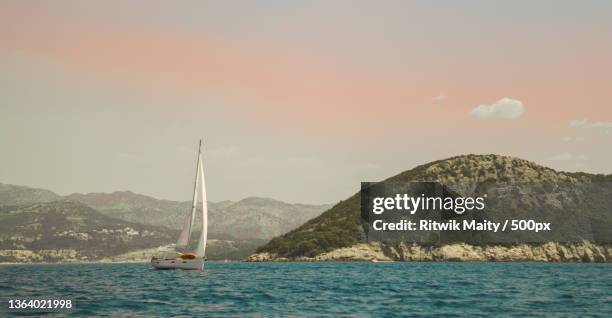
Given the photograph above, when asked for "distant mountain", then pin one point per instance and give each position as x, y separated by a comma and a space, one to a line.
250, 218
68, 231
262, 218
138, 208
17, 195
33, 220
71, 231
338, 234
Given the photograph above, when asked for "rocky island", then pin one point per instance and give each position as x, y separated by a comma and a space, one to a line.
337, 234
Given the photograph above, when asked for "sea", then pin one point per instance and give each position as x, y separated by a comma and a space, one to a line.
352, 289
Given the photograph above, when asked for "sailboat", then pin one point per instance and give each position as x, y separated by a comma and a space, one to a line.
195, 260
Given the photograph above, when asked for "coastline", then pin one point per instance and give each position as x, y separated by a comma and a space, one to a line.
75, 263
550, 252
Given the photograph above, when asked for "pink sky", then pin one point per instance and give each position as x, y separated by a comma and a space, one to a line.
344, 81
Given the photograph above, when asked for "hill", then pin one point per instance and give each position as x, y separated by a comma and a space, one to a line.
133, 207
71, 231
68, 231
236, 228
250, 218
262, 218
18, 195
339, 228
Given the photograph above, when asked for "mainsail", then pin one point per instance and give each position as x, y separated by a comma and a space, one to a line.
183, 239
201, 249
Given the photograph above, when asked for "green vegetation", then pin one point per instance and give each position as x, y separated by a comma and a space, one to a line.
39, 225
59, 226
340, 226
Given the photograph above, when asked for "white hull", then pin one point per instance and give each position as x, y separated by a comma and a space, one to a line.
190, 264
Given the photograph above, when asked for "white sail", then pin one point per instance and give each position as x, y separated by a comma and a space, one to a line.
201, 249
195, 194
183, 239
189, 260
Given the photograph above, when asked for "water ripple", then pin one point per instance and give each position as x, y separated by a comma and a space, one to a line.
322, 289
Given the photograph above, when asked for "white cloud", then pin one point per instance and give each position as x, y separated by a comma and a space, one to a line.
363, 166
439, 98
602, 126
505, 108
223, 152
128, 157
573, 139
566, 156
569, 161
580, 165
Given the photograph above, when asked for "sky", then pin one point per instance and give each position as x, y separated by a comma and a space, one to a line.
297, 101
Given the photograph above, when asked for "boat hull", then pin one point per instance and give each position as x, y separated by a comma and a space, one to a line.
178, 263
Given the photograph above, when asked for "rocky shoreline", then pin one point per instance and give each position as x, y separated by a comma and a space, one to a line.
583, 252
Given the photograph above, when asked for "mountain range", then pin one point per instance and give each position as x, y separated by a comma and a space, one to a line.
40, 225
70, 231
249, 218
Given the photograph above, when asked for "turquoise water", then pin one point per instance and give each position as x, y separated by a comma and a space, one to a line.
323, 289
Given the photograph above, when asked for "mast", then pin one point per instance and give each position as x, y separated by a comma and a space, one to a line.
201, 249
195, 189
